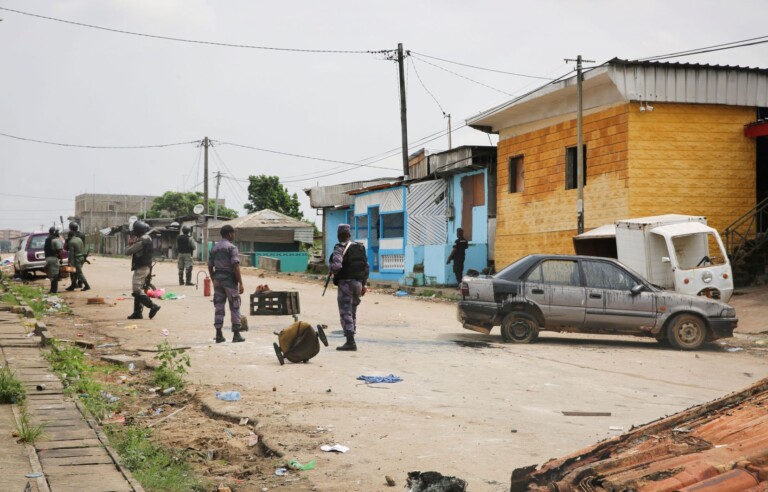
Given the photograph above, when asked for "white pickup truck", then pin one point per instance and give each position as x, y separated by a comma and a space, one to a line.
676, 252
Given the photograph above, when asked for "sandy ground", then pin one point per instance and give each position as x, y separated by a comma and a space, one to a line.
469, 405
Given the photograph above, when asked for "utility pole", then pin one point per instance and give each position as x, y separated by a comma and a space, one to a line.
450, 144
145, 208
216, 202
579, 145
206, 144
403, 112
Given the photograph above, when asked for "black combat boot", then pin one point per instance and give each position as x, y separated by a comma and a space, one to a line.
71, 287
189, 276
85, 286
236, 337
181, 277
147, 303
136, 309
350, 344
219, 336
54, 286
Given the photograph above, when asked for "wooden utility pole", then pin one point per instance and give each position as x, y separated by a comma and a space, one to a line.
450, 144
579, 146
216, 201
403, 112
206, 144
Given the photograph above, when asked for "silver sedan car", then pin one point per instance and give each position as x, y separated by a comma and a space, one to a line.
585, 294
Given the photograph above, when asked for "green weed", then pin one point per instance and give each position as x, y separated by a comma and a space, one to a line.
28, 432
156, 468
11, 389
33, 296
172, 368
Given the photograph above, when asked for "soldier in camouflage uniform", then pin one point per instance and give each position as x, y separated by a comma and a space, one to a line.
53, 246
77, 259
349, 266
186, 247
224, 269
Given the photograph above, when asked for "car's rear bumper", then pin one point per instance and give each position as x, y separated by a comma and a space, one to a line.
477, 313
723, 327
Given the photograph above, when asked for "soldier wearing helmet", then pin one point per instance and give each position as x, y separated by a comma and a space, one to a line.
74, 231
185, 245
140, 246
52, 247
77, 257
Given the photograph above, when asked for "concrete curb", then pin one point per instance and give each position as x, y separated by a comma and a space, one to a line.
34, 460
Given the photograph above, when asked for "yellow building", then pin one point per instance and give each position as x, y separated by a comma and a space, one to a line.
659, 138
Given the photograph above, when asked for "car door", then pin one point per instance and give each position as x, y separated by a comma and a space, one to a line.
564, 294
611, 305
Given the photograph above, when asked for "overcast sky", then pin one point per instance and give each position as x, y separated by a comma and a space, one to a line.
78, 85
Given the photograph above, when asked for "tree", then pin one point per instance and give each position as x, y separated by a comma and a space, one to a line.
174, 204
267, 192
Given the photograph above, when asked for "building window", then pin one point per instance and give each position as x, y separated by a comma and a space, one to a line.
392, 225
361, 226
516, 173
571, 170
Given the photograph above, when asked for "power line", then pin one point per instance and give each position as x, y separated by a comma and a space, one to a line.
61, 144
481, 68
36, 197
194, 41
461, 76
709, 49
424, 86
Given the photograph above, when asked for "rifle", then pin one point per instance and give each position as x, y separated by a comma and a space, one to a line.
327, 281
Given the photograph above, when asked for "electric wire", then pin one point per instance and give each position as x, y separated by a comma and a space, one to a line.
461, 76
416, 71
481, 68
194, 41
79, 146
35, 197
709, 49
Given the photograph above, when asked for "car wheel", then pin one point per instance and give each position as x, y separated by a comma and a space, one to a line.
686, 332
519, 328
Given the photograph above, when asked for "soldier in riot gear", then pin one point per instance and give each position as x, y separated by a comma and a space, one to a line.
77, 254
140, 246
185, 245
224, 269
349, 265
52, 247
74, 230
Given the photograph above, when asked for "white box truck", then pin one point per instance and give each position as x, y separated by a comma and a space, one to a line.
676, 252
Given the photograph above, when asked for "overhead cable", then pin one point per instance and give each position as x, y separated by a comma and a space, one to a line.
194, 41
36, 197
424, 86
79, 146
481, 68
459, 75
709, 49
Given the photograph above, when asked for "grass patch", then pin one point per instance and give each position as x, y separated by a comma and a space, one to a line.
172, 368
33, 296
9, 298
156, 468
28, 432
11, 389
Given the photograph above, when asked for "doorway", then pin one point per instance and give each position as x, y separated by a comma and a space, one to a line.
374, 226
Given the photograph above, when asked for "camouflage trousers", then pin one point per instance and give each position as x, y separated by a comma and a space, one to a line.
223, 291
348, 298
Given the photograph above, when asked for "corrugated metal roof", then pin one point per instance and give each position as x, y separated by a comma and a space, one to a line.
268, 219
622, 80
718, 446
337, 195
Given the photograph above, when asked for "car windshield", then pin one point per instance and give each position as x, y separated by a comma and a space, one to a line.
37, 242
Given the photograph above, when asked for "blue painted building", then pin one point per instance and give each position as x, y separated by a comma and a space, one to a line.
408, 227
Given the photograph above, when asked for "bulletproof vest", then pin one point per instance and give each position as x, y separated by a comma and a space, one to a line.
143, 258
353, 264
183, 244
48, 246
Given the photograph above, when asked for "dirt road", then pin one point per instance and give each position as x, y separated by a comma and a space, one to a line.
468, 405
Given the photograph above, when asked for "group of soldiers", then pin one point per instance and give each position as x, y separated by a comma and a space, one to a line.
74, 245
348, 265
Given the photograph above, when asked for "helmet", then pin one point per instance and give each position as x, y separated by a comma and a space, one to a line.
73, 226
53, 230
186, 230
140, 228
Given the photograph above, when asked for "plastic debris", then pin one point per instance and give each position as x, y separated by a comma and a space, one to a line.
33, 475
228, 395
380, 379
338, 448
109, 397
400, 293
281, 471
734, 349
253, 440
295, 465
169, 391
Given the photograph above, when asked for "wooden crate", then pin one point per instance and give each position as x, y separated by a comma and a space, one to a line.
275, 303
